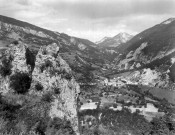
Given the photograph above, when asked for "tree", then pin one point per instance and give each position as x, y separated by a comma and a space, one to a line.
5, 68
20, 82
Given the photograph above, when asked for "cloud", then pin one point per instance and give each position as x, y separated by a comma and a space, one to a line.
111, 8
91, 19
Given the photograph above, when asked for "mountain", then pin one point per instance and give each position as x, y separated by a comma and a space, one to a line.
80, 54
102, 40
114, 41
148, 46
150, 53
55, 84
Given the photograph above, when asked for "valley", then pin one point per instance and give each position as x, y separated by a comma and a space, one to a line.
121, 85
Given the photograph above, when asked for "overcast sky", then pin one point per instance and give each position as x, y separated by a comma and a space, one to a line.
91, 19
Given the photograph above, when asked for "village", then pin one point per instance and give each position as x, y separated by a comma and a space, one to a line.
117, 94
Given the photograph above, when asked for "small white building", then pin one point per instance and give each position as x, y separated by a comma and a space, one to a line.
91, 106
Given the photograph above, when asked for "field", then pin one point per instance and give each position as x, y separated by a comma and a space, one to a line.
160, 93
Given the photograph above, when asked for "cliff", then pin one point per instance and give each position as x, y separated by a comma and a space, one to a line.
45, 74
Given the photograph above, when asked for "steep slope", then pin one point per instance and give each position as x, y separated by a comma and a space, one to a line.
148, 47
50, 82
81, 51
102, 40
114, 41
149, 56
53, 73
13, 60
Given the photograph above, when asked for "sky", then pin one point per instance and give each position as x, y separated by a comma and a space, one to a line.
90, 19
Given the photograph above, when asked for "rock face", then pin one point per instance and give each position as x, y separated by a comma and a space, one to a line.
54, 75
154, 46
149, 77
50, 72
15, 56
71, 48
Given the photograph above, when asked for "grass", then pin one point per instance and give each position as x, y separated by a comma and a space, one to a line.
160, 93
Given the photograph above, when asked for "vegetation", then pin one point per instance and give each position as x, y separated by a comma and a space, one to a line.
47, 97
66, 75
30, 117
38, 87
124, 122
47, 64
56, 90
20, 82
15, 42
30, 58
58, 126
5, 68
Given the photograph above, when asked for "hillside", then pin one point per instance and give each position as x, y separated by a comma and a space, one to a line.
55, 84
79, 53
150, 45
37, 93
112, 42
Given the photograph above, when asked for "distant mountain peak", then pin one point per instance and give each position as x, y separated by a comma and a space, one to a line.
122, 34
123, 37
103, 39
120, 38
168, 21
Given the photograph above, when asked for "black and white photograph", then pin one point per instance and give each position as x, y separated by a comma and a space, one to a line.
87, 67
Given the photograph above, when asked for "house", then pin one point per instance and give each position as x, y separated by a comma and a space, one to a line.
91, 106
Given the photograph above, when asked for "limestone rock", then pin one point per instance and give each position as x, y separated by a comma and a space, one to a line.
15, 54
52, 72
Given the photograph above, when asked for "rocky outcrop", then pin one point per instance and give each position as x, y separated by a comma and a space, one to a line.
149, 77
13, 31
53, 74
13, 61
50, 75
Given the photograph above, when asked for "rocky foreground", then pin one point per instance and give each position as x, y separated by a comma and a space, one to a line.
45, 74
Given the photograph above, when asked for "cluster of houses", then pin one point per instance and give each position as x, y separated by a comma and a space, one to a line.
149, 111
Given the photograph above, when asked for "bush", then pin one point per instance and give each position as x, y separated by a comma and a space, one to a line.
38, 87
30, 58
57, 90
35, 116
44, 51
20, 82
46, 65
42, 68
47, 97
66, 75
15, 42
5, 68
58, 126
30, 118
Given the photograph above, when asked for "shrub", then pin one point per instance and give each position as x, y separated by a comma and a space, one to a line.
15, 42
5, 68
66, 75
55, 55
46, 65
30, 58
38, 87
42, 68
57, 90
47, 97
20, 82
35, 116
44, 51
59, 126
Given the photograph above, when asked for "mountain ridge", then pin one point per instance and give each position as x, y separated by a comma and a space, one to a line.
114, 41
73, 49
